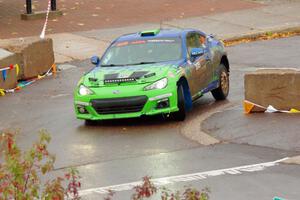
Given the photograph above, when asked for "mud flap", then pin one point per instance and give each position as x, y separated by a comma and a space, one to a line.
187, 98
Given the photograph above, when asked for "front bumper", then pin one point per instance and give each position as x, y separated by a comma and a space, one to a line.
125, 102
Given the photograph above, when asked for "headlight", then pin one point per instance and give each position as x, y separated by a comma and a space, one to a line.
83, 90
160, 84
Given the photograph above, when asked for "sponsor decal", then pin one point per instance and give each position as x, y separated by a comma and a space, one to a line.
116, 92
171, 75
166, 41
120, 44
136, 42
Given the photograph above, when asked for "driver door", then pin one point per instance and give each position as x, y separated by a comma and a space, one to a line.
199, 63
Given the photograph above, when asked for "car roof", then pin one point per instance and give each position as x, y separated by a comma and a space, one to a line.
161, 33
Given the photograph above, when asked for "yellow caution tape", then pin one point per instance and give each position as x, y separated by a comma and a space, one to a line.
17, 69
40, 77
2, 92
294, 111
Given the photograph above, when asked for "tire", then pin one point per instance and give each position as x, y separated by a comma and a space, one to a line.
181, 113
90, 122
222, 91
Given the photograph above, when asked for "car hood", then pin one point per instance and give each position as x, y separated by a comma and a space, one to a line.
137, 74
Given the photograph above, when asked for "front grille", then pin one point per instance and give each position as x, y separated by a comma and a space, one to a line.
119, 105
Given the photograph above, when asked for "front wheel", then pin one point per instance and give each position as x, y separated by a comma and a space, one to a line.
222, 91
181, 113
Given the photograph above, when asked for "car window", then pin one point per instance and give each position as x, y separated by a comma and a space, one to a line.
143, 51
192, 41
202, 41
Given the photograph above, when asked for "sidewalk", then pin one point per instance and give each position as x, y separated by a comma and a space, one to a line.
83, 15
84, 44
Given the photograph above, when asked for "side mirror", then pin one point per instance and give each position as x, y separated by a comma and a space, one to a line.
95, 60
195, 52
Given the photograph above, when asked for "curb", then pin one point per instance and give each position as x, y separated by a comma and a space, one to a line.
192, 129
242, 38
291, 31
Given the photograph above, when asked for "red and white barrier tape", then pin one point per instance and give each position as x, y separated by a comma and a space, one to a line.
43, 33
10, 68
23, 84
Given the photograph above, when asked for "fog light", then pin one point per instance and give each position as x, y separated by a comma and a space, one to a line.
82, 110
164, 103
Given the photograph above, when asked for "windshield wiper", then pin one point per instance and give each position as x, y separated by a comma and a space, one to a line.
111, 65
142, 63
116, 65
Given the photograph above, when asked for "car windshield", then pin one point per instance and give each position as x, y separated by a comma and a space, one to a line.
142, 52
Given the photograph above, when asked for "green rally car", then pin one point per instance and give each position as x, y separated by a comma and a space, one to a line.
153, 72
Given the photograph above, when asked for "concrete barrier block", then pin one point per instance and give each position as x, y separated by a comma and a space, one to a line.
6, 59
37, 55
277, 87
41, 15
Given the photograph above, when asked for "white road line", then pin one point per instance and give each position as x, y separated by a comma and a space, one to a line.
184, 178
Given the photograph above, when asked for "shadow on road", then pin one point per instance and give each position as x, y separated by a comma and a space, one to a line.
201, 105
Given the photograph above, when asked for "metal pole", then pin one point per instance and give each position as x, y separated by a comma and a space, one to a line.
53, 5
28, 7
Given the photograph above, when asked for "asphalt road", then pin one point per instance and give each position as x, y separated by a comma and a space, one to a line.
123, 151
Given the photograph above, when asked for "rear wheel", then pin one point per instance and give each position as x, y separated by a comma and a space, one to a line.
181, 113
222, 91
